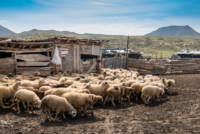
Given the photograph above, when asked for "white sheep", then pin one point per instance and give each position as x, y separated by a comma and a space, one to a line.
57, 104
35, 85
99, 89
45, 88
28, 96
8, 92
150, 92
82, 101
61, 91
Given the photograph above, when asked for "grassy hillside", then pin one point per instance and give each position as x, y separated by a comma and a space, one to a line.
147, 44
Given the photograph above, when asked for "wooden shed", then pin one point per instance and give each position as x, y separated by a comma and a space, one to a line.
78, 55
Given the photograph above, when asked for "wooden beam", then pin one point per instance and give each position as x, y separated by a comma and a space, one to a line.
32, 57
92, 47
92, 67
33, 63
74, 66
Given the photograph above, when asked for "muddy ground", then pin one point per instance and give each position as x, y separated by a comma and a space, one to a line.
176, 113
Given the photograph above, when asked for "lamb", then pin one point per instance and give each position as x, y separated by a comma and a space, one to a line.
137, 87
8, 92
99, 89
61, 91
58, 104
39, 93
35, 85
28, 96
82, 100
150, 92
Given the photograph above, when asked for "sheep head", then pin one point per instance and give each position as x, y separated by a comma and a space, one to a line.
73, 113
37, 104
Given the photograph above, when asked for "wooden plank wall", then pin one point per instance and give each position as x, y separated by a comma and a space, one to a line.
173, 67
7, 65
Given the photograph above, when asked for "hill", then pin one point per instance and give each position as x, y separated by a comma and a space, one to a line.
5, 31
147, 44
26, 34
175, 31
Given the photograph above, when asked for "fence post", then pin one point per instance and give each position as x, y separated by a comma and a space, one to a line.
105, 62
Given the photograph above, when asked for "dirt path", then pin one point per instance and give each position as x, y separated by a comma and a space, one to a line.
178, 113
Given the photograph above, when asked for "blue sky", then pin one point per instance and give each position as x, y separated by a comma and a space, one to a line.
119, 17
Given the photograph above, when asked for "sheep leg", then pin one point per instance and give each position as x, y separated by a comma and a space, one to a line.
23, 104
1, 104
113, 101
105, 99
57, 112
143, 99
32, 107
28, 105
148, 100
18, 109
49, 114
136, 98
64, 115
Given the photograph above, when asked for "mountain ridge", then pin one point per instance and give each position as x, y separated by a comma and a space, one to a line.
5, 31
175, 31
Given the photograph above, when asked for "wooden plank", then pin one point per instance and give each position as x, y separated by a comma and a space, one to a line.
92, 67
78, 58
33, 63
32, 57
74, 62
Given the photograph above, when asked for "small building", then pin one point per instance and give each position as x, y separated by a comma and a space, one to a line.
109, 53
77, 55
189, 54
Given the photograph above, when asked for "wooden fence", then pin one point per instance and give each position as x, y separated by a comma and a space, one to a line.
119, 61
188, 66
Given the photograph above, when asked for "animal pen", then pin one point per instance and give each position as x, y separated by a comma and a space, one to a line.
77, 55
187, 66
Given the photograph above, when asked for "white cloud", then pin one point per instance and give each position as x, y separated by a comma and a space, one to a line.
98, 3
3, 21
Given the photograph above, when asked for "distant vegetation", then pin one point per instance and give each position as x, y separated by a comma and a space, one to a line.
147, 44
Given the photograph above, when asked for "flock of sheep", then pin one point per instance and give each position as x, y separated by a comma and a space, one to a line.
76, 93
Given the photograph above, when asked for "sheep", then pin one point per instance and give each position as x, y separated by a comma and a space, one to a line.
137, 87
44, 88
39, 93
113, 92
82, 100
99, 89
8, 92
61, 91
158, 84
129, 83
126, 92
58, 104
28, 96
33, 84
48, 92
150, 92
170, 83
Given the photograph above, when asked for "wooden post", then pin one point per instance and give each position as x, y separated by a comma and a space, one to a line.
105, 62
127, 52
156, 57
113, 63
78, 58
99, 64
74, 66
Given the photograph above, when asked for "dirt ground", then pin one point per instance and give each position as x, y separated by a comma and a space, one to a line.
176, 113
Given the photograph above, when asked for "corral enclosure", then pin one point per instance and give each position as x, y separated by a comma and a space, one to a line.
78, 55
177, 113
